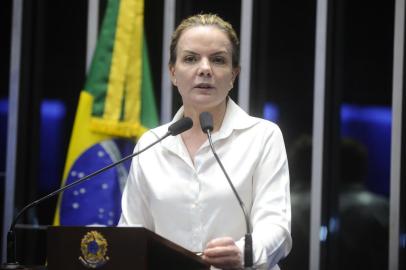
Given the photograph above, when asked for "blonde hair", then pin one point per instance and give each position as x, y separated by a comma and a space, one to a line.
206, 20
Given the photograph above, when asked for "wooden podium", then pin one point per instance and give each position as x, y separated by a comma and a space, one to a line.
115, 248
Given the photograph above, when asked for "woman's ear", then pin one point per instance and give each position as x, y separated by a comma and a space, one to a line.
235, 73
172, 75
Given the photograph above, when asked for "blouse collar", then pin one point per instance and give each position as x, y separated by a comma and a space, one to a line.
235, 118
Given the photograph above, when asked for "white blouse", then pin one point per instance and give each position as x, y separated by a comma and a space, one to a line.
191, 204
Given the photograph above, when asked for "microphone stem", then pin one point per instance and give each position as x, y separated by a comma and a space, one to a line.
248, 248
11, 258
244, 210
81, 180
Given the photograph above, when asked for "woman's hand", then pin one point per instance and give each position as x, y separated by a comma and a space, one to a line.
223, 253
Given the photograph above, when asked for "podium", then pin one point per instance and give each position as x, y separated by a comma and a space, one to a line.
113, 248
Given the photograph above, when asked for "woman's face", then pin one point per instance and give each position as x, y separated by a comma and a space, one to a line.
203, 71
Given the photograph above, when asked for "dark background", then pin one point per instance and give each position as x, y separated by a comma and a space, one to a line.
283, 49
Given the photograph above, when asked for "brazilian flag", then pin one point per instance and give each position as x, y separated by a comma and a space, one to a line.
115, 108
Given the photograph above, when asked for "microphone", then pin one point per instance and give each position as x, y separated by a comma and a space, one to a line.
180, 126
206, 123
176, 128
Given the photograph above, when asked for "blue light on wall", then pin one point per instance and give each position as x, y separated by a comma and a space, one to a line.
271, 112
52, 129
371, 126
53, 113
3, 134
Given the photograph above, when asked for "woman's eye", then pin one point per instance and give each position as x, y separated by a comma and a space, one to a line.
219, 60
189, 59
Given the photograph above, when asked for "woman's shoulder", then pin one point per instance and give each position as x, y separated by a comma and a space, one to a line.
264, 125
238, 119
153, 134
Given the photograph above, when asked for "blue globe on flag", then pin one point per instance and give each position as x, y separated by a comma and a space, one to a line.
96, 201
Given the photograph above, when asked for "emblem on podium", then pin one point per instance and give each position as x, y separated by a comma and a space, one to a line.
94, 250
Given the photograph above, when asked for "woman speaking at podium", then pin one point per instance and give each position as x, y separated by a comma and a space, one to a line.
178, 190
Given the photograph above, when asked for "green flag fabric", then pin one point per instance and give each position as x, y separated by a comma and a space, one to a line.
115, 108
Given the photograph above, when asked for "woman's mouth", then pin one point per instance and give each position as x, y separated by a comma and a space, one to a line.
206, 86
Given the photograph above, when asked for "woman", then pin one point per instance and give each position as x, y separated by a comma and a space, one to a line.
177, 189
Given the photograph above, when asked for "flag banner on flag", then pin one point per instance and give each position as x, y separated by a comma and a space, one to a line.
115, 108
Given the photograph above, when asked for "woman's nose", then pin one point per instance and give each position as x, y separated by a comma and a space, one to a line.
204, 68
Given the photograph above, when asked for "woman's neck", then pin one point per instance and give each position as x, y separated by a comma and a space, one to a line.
194, 137
217, 113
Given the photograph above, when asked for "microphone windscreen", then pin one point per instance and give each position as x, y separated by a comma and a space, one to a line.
206, 121
180, 126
